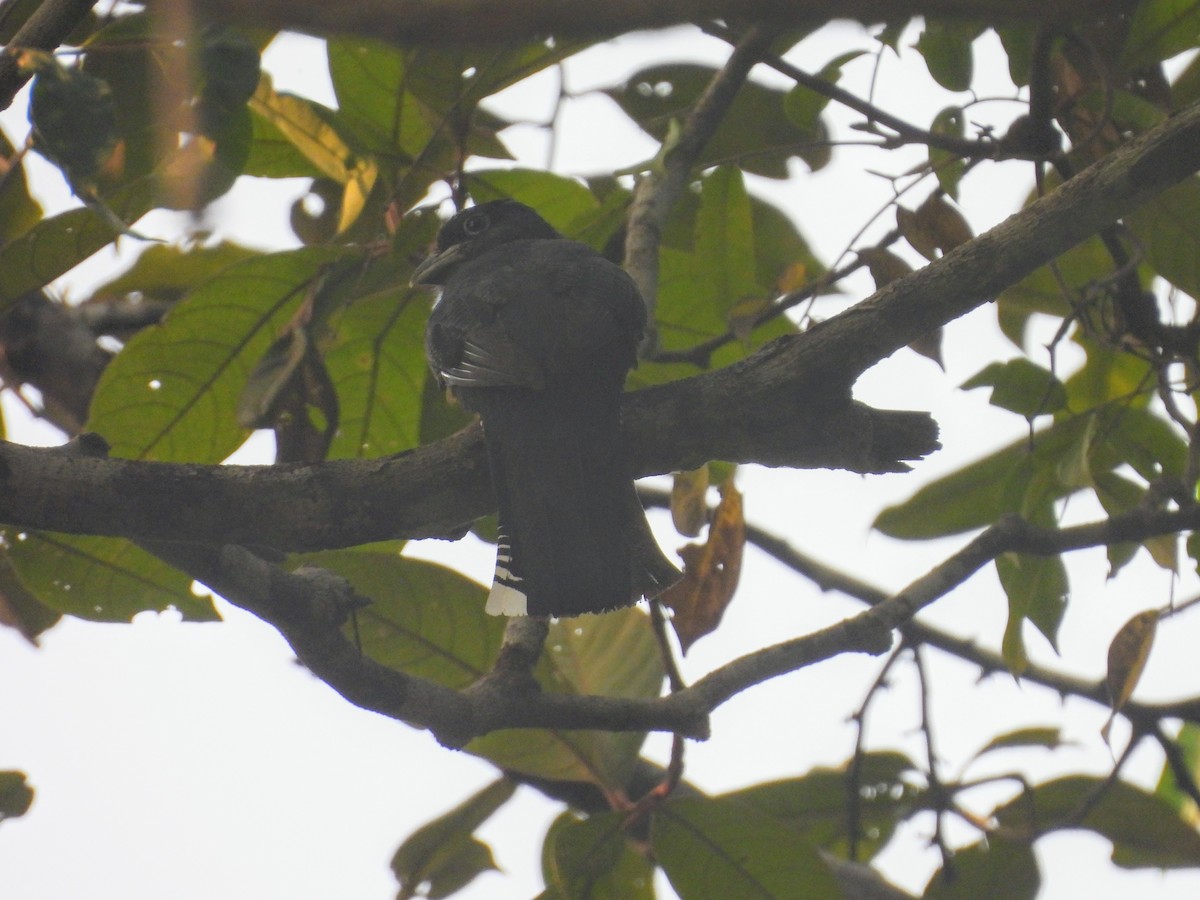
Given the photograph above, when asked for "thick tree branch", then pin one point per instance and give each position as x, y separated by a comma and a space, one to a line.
440, 22
308, 608
785, 405
48, 27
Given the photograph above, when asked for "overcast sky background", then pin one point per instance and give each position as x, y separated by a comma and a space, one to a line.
195, 761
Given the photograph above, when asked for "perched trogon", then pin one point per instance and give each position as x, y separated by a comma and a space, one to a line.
536, 334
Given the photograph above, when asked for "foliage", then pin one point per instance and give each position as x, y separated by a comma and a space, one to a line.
322, 343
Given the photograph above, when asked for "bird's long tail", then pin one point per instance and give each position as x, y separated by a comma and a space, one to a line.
573, 536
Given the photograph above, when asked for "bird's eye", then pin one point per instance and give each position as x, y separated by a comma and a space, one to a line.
475, 224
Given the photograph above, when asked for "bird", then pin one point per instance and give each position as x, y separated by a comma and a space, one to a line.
536, 333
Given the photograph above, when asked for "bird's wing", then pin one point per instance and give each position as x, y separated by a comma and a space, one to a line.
481, 356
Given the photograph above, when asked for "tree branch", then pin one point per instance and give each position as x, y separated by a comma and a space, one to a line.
448, 22
657, 191
1009, 535
786, 405
919, 633
308, 608
45, 29
905, 133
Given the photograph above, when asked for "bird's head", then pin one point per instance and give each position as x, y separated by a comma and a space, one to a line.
475, 231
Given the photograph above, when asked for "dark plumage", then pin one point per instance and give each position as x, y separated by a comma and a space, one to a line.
536, 334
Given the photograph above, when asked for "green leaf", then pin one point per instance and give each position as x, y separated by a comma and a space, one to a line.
1018, 480
229, 67
725, 239
374, 350
715, 847
165, 271
445, 854
1137, 437
312, 130
713, 285
1039, 292
19, 212
172, 393
804, 106
755, 134
1171, 247
305, 125
558, 199
461, 76
102, 579
783, 260
370, 80
1188, 741
996, 870
378, 363
16, 796
1021, 386
891, 33
58, 244
290, 138
1145, 831
1185, 89
592, 858
424, 619
947, 166
22, 609
1018, 41
816, 805
613, 655
1049, 737
1117, 495
946, 47
1161, 29
1109, 375
1036, 587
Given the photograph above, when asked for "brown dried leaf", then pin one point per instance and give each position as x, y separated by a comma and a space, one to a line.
1127, 655
710, 572
912, 229
884, 265
259, 403
947, 225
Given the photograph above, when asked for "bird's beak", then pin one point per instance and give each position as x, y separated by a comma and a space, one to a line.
434, 268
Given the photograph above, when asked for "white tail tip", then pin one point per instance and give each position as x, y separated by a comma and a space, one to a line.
505, 600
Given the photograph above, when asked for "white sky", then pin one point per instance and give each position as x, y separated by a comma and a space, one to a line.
196, 761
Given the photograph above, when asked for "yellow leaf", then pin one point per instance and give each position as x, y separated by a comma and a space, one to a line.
793, 278
689, 510
710, 572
